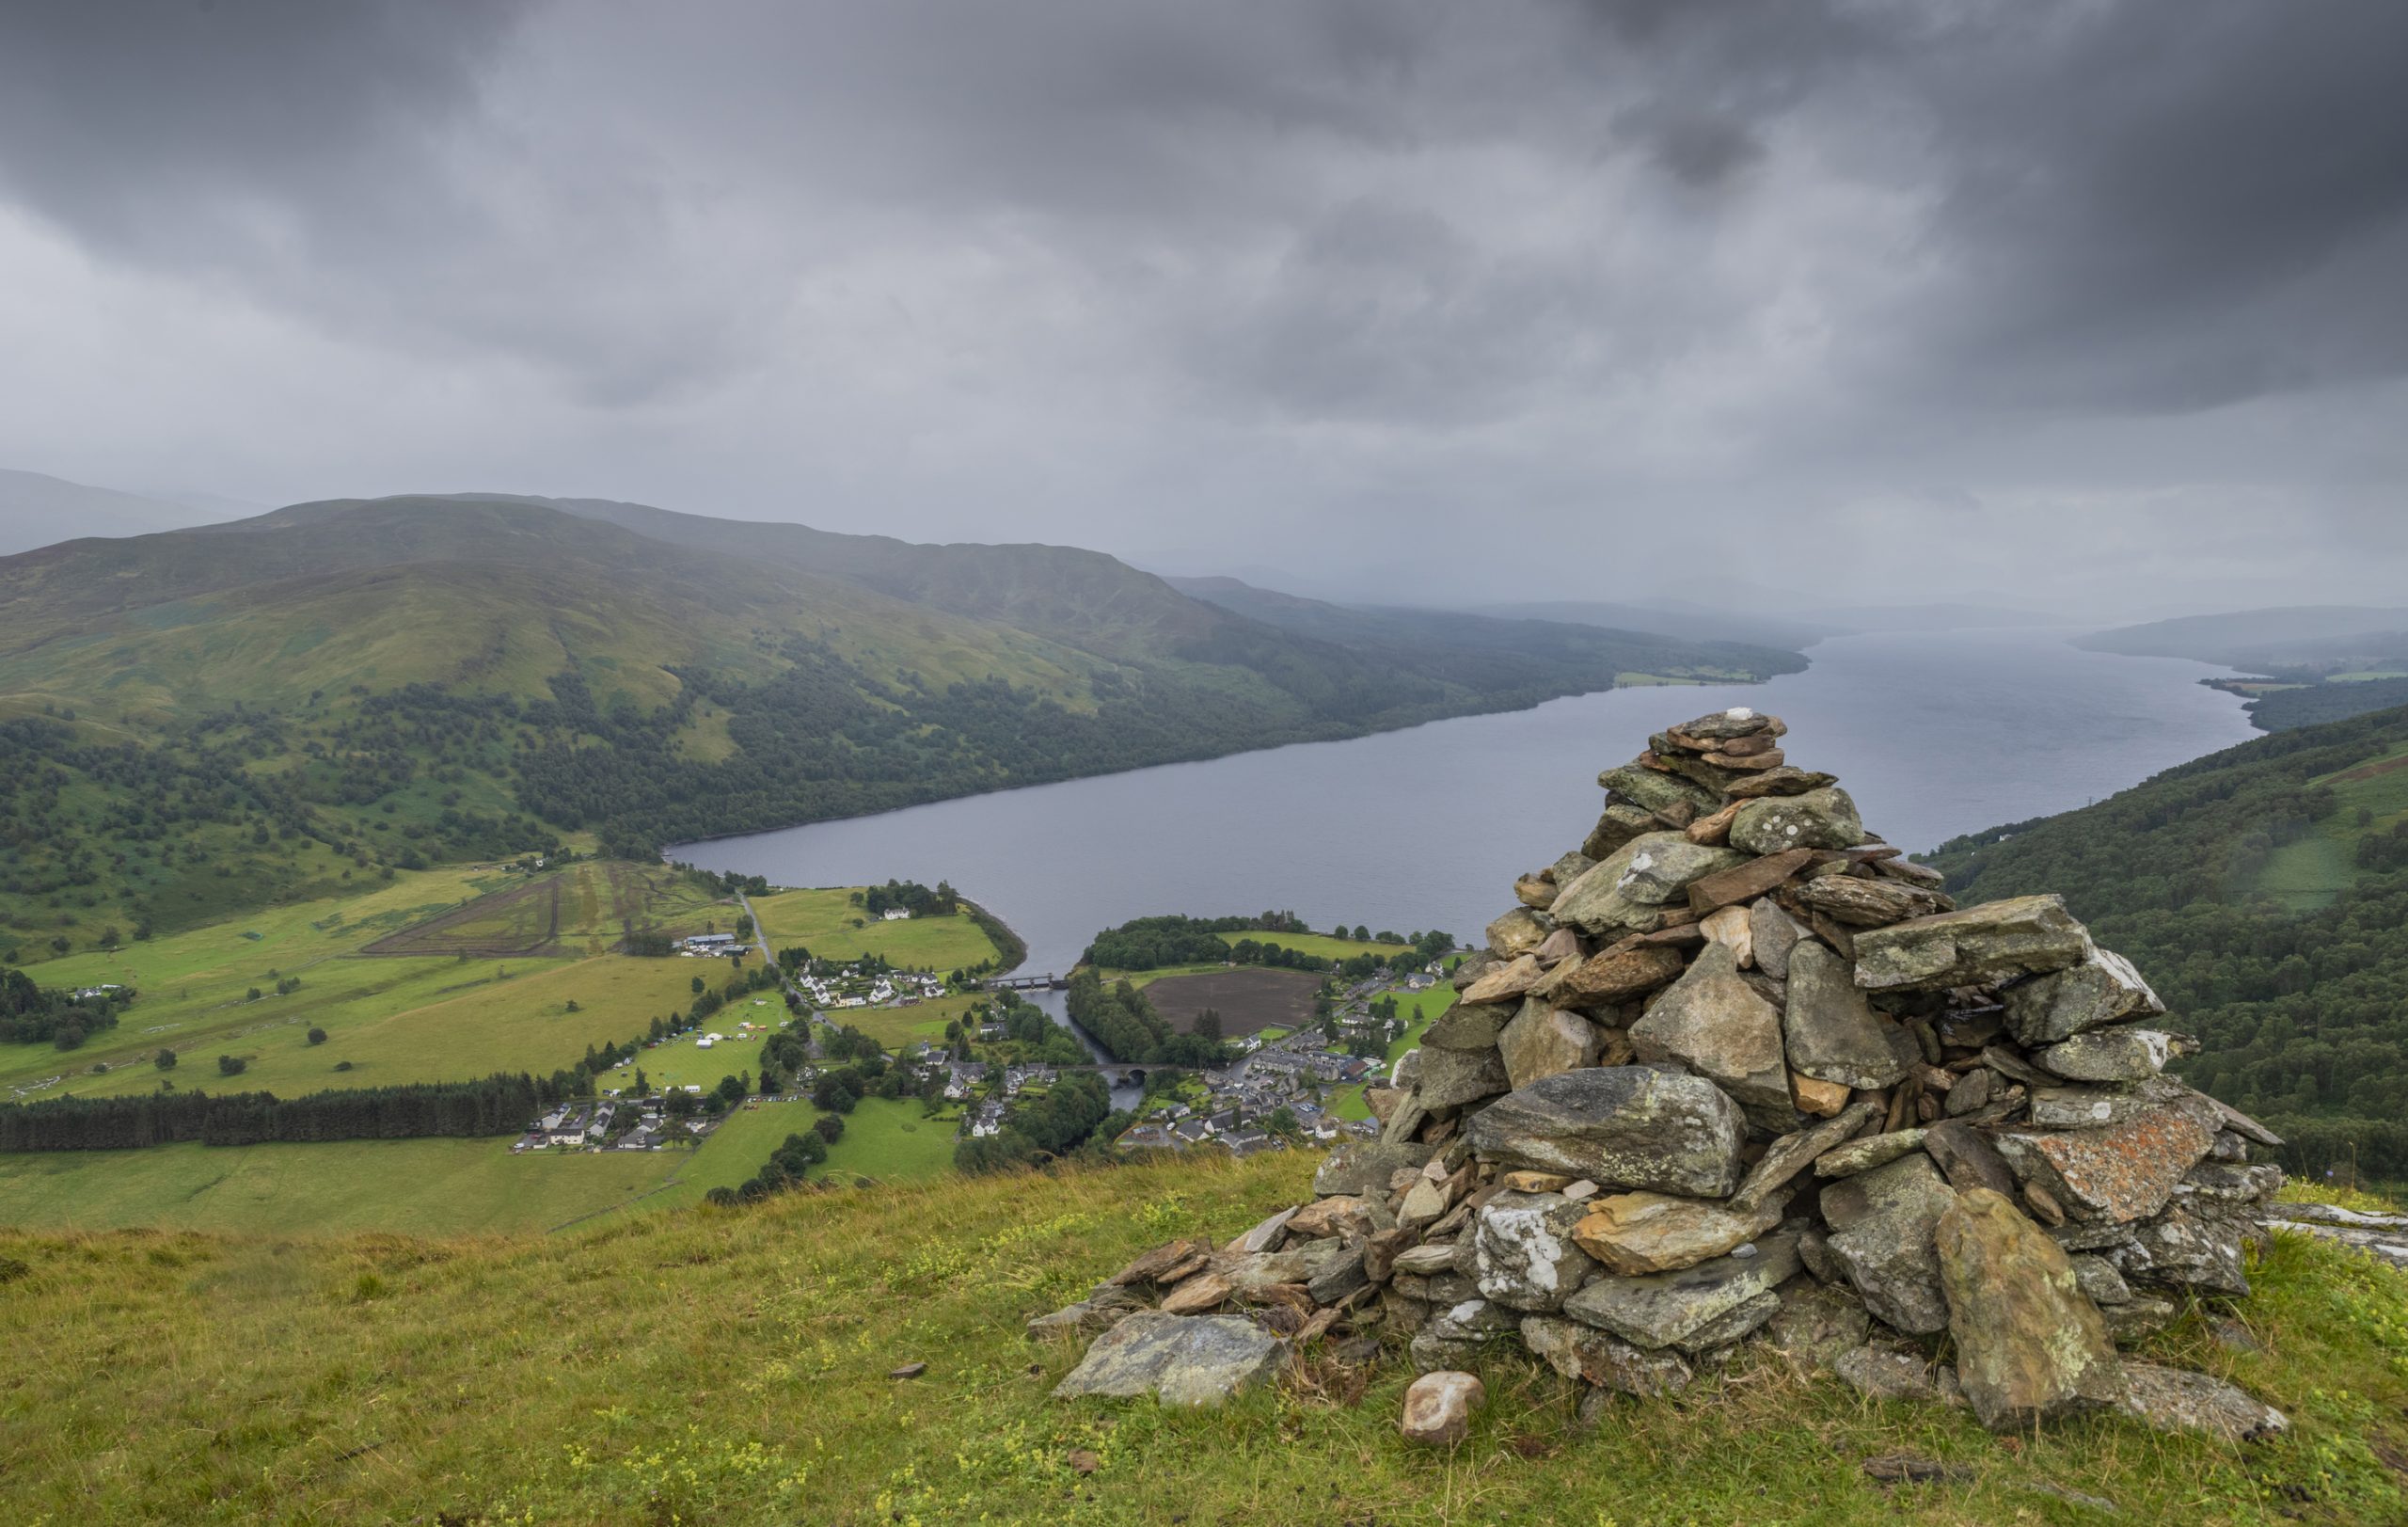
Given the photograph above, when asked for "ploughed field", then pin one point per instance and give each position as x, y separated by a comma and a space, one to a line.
1249, 999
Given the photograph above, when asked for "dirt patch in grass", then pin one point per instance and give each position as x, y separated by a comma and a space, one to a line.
522, 921
1248, 1000
2381, 766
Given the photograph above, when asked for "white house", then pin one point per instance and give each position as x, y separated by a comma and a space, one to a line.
895, 914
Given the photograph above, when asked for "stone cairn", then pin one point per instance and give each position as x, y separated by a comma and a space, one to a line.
1734, 1072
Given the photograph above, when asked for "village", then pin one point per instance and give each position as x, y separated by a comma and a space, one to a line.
1282, 1089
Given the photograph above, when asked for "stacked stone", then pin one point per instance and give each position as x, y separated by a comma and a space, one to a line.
1736, 1069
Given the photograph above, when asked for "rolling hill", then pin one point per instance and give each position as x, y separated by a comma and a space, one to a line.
2264, 890
2255, 638
211, 718
35, 508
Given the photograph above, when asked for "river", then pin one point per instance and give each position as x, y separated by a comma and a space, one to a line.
1934, 734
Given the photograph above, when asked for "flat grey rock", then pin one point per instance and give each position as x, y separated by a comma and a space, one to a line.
1678, 1309
1180, 1359
1619, 1126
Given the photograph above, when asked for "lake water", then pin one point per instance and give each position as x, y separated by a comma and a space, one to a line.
1934, 734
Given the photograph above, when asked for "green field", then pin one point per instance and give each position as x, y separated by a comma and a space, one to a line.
898, 1027
2307, 873
422, 1018
732, 1366
419, 1187
889, 1139
827, 924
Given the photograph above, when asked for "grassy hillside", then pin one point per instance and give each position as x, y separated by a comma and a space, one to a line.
207, 720
2264, 891
733, 1367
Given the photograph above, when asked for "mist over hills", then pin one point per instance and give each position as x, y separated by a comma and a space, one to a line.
36, 510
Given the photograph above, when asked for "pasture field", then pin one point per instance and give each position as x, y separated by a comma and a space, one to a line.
681, 1062
732, 1366
427, 1017
1320, 945
446, 1022
896, 1028
419, 1187
824, 922
2309, 871
1249, 998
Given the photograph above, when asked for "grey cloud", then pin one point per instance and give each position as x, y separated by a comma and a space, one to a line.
1086, 269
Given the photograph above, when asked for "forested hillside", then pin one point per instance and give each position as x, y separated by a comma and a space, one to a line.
205, 720
2264, 891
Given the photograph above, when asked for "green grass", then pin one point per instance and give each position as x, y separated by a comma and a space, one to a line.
822, 921
2309, 871
898, 1027
419, 1187
396, 1019
429, 1020
731, 1366
2364, 674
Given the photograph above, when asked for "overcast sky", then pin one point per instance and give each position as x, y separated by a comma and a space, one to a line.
2095, 307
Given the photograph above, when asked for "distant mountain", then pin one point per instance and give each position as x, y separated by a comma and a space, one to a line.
267, 706
2257, 638
1761, 616
1677, 618
37, 510
1488, 650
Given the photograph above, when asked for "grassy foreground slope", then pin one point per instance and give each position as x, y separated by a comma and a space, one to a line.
732, 1367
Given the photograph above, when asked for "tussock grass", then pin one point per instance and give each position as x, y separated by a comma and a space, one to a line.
731, 1367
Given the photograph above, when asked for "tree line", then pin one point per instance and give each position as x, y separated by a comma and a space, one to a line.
499, 1104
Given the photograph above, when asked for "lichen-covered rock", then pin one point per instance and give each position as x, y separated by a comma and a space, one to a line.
2185, 1249
1858, 901
1634, 1233
1362, 1167
2103, 989
1505, 983
1793, 1154
1523, 1252
1652, 791
1450, 1078
1719, 1025
1823, 819
1619, 1126
1585, 1353
1101, 1310
2108, 1054
1881, 1224
1831, 1031
1612, 976
2121, 1172
1871, 1151
1456, 1335
1658, 869
2029, 1345
1885, 1368
1689, 1308
1994, 942
1773, 933
1180, 1359
2178, 1400
1544, 1039
1438, 1407
1815, 1323
1517, 932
